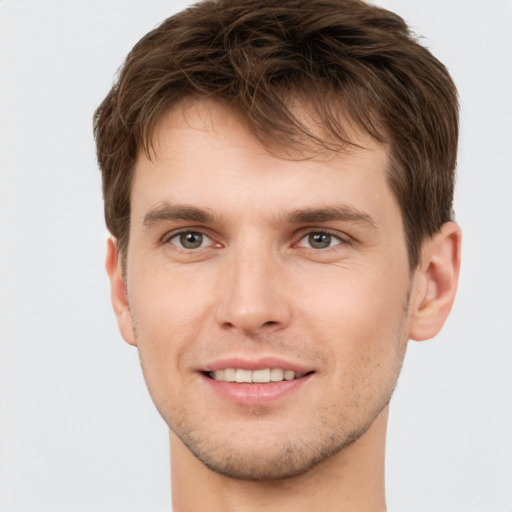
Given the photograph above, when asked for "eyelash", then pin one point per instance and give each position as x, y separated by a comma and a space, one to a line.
325, 232
304, 234
170, 236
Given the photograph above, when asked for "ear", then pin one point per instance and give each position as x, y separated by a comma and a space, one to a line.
435, 282
118, 293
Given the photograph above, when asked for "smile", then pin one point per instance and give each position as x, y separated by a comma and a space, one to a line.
256, 381
261, 376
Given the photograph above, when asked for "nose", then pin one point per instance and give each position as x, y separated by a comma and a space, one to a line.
253, 294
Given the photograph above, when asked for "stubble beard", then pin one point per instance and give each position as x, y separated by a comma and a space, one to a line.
289, 455
276, 460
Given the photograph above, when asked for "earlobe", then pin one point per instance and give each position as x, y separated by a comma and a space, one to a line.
435, 282
118, 293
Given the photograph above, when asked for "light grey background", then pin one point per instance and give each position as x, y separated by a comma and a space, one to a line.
78, 431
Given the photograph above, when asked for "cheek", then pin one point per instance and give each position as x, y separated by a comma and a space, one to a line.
167, 299
161, 332
363, 319
169, 309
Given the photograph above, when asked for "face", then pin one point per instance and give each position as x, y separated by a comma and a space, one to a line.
267, 294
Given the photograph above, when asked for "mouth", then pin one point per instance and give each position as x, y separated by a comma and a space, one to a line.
258, 381
259, 376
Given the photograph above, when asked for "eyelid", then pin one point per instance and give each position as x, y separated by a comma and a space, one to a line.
179, 231
343, 238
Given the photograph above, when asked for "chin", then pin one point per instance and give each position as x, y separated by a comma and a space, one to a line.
261, 458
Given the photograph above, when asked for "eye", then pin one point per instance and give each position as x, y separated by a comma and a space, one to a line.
190, 240
319, 240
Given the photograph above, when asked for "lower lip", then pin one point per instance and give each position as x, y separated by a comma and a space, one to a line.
255, 394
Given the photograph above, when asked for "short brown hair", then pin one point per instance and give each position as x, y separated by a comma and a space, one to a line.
338, 57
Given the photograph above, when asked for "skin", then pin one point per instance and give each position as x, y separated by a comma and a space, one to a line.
258, 286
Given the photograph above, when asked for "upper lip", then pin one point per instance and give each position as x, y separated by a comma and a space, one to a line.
259, 363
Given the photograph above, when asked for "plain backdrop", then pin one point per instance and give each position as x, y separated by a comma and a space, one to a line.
78, 431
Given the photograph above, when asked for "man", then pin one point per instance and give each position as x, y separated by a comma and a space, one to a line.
278, 181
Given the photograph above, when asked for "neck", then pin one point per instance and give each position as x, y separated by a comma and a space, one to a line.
350, 481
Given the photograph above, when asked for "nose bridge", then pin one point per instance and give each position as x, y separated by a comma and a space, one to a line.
252, 296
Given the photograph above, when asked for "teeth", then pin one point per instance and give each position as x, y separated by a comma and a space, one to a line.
289, 375
276, 374
229, 375
261, 375
243, 376
255, 376
220, 375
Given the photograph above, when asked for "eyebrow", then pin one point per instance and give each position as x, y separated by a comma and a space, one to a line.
338, 213
166, 211
169, 212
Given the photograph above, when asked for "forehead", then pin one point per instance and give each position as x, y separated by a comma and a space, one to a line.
304, 139
205, 155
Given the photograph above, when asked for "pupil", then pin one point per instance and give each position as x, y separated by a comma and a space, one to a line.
191, 240
320, 240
